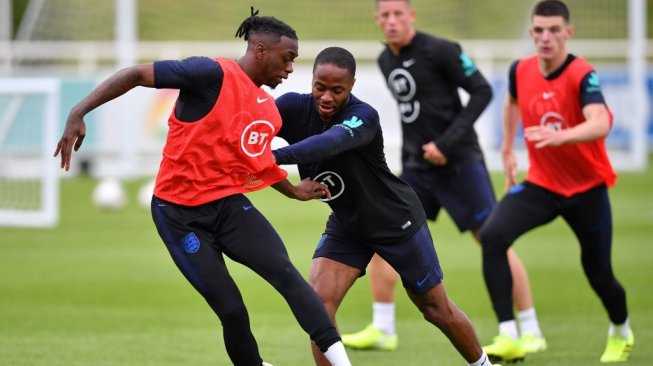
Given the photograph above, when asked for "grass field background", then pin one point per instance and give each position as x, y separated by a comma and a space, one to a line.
100, 289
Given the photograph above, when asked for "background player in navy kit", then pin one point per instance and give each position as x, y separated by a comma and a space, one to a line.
198, 206
336, 139
441, 157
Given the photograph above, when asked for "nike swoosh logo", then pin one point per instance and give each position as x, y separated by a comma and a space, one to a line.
408, 63
421, 282
546, 95
261, 100
247, 208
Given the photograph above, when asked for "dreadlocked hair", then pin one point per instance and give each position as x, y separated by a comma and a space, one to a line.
255, 24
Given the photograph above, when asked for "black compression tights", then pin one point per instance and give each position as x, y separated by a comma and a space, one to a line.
234, 228
589, 216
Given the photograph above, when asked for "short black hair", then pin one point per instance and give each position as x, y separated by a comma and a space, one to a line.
548, 8
337, 56
255, 24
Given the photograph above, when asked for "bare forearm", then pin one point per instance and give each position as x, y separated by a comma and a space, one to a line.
304, 191
510, 124
596, 125
285, 187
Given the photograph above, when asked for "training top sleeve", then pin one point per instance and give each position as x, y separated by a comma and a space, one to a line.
512, 80
291, 107
195, 73
590, 90
463, 74
356, 128
199, 80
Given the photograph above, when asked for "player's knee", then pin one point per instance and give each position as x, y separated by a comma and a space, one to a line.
435, 308
493, 239
284, 277
600, 280
232, 315
487, 233
330, 301
439, 316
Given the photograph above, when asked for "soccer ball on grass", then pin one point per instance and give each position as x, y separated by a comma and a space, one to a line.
109, 194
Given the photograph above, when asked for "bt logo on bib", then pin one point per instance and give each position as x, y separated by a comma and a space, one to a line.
256, 137
333, 181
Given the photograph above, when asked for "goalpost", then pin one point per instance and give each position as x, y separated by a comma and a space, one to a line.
29, 181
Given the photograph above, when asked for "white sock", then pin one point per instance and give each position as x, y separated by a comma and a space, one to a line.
509, 328
528, 322
337, 355
621, 330
383, 317
483, 361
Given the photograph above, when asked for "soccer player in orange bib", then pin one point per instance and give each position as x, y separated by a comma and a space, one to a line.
217, 149
558, 98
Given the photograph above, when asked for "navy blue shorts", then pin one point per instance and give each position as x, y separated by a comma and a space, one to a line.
464, 192
414, 258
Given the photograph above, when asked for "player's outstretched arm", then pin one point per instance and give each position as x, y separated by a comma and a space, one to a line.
118, 84
304, 191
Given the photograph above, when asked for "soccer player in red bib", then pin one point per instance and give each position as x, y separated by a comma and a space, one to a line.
217, 149
565, 118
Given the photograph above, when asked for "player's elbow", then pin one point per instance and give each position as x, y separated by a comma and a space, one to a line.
599, 118
604, 128
488, 92
140, 75
602, 124
484, 95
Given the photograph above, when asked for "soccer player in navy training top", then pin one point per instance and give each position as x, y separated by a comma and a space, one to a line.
336, 139
441, 157
217, 149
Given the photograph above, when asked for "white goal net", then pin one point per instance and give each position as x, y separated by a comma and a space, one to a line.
29, 186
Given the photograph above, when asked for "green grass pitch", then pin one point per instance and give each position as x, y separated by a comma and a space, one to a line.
101, 290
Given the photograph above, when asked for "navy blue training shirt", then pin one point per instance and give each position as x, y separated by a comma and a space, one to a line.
424, 79
347, 155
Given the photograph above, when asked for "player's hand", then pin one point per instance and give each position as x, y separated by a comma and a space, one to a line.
308, 190
433, 155
72, 138
544, 136
509, 169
